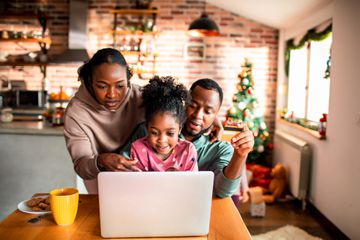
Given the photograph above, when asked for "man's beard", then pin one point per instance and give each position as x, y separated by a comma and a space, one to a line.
196, 135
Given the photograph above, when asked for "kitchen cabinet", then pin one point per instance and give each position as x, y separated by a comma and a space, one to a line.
134, 34
24, 38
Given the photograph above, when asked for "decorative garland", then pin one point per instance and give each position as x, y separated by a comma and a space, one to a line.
289, 117
311, 35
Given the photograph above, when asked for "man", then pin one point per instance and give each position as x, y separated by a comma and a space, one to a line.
224, 159
218, 157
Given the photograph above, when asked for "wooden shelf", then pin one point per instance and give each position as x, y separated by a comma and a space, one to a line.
22, 15
135, 11
27, 40
15, 64
135, 53
304, 129
137, 59
59, 100
130, 53
42, 41
136, 32
144, 71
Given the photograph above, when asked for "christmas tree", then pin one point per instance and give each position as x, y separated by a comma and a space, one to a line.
244, 109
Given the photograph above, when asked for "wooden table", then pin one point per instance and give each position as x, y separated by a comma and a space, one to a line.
226, 223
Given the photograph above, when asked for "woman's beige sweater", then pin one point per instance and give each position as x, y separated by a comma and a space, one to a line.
91, 129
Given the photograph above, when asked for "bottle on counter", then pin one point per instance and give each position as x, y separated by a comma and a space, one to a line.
58, 116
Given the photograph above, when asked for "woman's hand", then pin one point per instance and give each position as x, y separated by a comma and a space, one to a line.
243, 142
216, 131
117, 163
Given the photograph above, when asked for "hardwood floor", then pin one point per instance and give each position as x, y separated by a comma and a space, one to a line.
280, 214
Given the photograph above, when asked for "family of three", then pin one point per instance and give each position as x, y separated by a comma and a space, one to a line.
114, 125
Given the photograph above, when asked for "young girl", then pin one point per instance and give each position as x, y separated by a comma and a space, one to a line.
162, 150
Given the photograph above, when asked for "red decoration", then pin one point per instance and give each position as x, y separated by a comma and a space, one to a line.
246, 113
271, 146
292, 115
261, 176
322, 125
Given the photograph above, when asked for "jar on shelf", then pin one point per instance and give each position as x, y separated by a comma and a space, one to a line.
6, 115
133, 45
123, 45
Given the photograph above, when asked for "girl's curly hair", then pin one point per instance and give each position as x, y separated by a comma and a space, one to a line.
162, 95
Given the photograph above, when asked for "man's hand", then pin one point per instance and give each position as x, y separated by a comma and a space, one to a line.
243, 142
117, 163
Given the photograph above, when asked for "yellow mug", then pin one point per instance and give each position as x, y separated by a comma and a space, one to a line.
64, 205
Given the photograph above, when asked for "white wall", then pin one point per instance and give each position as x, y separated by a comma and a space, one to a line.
335, 174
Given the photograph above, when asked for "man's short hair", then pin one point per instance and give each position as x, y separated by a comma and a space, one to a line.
208, 84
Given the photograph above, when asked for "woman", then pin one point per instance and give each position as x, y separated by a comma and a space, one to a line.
101, 116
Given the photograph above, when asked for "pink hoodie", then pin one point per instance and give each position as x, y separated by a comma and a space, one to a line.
91, 129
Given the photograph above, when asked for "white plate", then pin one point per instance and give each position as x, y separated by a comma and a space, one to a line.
24, 208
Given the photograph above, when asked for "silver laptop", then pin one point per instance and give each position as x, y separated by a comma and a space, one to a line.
155, 204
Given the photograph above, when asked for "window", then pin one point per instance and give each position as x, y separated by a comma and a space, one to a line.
308, 90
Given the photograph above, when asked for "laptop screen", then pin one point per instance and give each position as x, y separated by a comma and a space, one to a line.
155, 204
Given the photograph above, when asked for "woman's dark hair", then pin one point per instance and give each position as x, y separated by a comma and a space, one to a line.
162, 95
105, 55
208, 84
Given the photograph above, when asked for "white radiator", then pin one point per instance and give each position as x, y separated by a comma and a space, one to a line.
295, 154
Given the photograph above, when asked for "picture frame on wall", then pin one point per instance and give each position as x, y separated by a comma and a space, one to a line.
194, 51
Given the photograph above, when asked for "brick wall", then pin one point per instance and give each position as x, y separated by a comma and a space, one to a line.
240, 38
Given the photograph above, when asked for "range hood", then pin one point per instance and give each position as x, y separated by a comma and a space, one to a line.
76, 52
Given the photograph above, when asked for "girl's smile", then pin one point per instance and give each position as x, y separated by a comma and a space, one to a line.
164, 131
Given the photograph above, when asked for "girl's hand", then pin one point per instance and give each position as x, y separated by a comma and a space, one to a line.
117, 163
244, 197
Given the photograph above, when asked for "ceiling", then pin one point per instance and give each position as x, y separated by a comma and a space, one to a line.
274, 13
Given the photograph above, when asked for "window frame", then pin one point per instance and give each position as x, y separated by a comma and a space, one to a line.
305, 42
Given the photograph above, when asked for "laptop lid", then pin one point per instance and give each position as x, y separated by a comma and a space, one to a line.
155, 204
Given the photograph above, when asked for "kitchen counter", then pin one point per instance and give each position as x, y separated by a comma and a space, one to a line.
33, 158
30, 128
